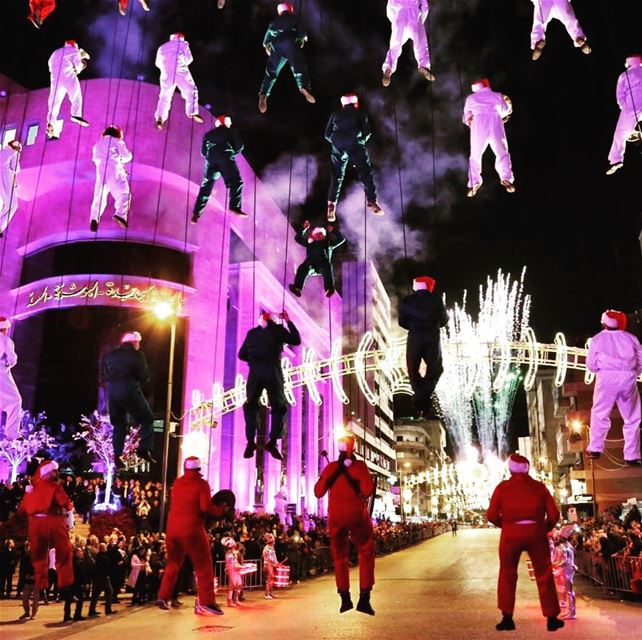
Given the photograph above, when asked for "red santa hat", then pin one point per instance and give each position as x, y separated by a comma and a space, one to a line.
131, 336
71, 43
228, 542
114, 131
269, 538
350, 98
518, 464
264, 318
192, 463
612, 319
478, 85
46, 467
633, 61
5, 323
285, 7
177, 36
222, 121
16, 145
424, 283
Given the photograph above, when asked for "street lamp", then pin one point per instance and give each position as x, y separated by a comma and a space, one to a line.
164, 310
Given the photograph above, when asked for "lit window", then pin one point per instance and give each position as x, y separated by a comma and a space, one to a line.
8, 135
32, 133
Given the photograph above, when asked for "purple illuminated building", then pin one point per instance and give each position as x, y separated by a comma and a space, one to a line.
70, 291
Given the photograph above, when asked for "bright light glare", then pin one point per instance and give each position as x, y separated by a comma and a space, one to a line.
163, 310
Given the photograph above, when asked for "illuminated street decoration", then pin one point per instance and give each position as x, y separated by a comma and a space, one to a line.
97, 289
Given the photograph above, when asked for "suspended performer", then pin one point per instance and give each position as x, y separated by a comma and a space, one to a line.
40, 10
485, 112
320, 243
546, 10
220, 147
122, 6
348, 131
110, 155
262, 349
350, 485
407, 20
10, 399
615, 356
173, 59
233, 569
125, 370
525, 511
48, 506
283, 43
423, 314
629, 98
189, 507
9, 168
65, 64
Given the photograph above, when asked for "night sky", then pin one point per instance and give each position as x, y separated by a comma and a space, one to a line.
573, 227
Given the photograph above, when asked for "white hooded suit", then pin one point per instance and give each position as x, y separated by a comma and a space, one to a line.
9, 168
64, 66
615, 357
110, 156
484, 113
173, 59
629, 99
545, 10
10, 400
407, 18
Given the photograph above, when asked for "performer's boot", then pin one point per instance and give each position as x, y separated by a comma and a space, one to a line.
507, 623
250, 448
364, 605
571, 604
553, 623
346, 602
230, 599
273, 450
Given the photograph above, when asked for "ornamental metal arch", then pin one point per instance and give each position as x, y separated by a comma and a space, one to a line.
206, 413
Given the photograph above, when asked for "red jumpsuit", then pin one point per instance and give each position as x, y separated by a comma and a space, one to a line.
48, 529
348, 516
521, 498
189, 507
42, 8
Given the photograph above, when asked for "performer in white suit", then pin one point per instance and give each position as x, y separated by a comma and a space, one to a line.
546, 10
9, 169
10, 400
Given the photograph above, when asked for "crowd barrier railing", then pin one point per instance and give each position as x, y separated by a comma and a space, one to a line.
617, 573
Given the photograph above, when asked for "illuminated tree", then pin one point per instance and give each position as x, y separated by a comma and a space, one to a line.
32, 437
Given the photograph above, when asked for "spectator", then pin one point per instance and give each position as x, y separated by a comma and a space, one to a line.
101, 582
7, 568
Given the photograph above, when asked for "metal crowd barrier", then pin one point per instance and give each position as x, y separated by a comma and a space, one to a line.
617, 573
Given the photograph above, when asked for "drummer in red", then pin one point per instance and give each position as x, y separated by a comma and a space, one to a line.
525, 511
350, 485
189, 507
47, 506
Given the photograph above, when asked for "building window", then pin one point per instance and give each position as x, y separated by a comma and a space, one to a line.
8, 134
32, 133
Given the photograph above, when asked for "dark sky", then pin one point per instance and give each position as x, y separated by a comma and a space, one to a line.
573, 227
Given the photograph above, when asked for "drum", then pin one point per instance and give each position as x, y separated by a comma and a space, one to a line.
248, 567
282, 577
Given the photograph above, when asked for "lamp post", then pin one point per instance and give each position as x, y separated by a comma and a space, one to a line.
164, 310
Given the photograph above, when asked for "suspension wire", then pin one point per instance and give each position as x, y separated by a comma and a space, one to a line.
400, 179
287, 231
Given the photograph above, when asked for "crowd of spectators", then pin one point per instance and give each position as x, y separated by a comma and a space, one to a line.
118, 564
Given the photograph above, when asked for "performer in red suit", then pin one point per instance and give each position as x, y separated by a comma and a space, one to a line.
525, 511
189, 507
40, 11
47, 506
350, 485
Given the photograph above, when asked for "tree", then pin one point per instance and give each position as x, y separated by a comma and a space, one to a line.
32, 437
97, 431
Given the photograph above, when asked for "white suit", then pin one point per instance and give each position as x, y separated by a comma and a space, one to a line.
484, 112
10, 400
110, 155
407, 18
545, 10
616, 358
173, 59
64, 66
629, 98
9, 168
